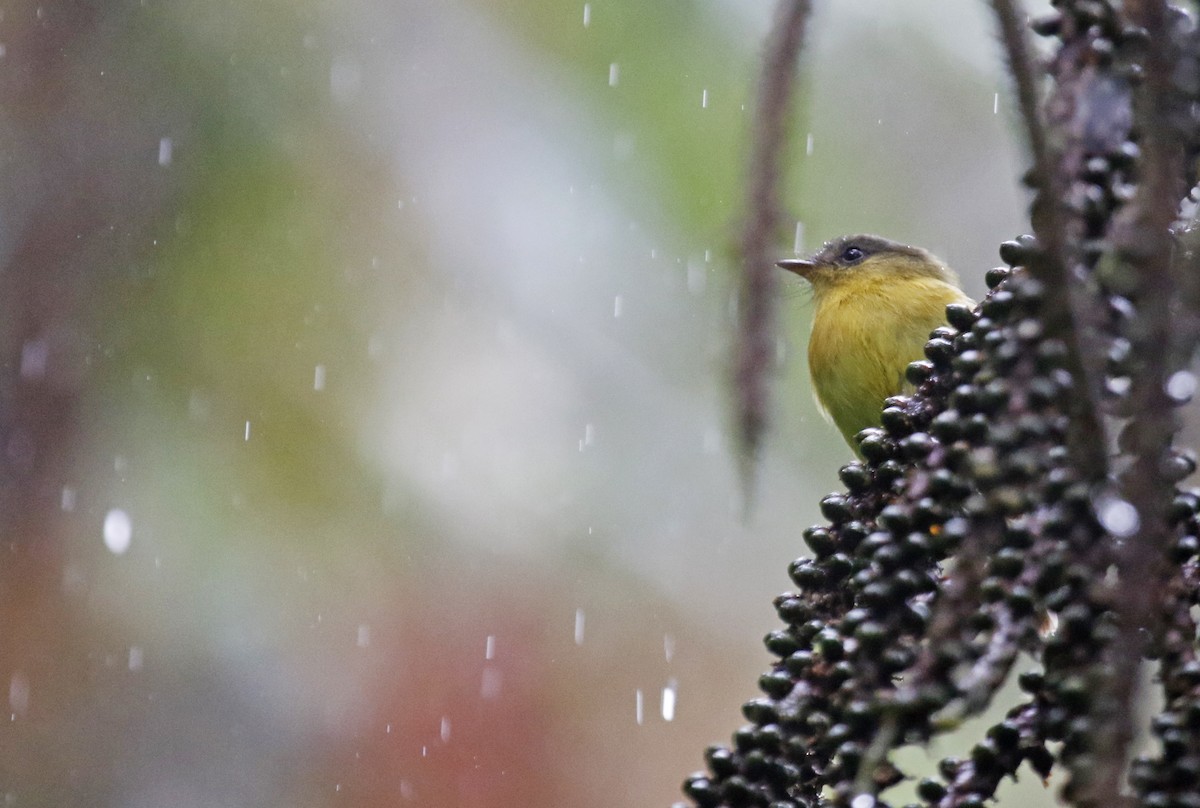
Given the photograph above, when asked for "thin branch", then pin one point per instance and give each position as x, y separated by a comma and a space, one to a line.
1143, 239
1070, 315
757, 301
1026, 75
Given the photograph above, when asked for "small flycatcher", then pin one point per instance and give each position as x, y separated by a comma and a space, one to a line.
876, 301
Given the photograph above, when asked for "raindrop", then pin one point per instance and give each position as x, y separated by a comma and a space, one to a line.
639, 711
118, 531
165, 148
668, 646
34, 355
808, 145
617, 304
668, 700
589, 434
18, 693
798, 244
319, 378
364, 636
996, 104
614, 74
247, 433
489, 647
704, 99
136, 658
1117, 516
3, 50
444, 731
1181, 386
587, 14
579, 626
67, 503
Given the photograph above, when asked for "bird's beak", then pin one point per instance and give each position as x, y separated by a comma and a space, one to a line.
801, 266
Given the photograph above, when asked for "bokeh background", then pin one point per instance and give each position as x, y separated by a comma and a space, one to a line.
364, 427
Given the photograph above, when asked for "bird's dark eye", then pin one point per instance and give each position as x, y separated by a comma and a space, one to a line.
852, 254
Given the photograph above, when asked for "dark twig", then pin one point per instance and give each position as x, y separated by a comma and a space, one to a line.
1070, 315
1143, 240
756, 333
1025, 78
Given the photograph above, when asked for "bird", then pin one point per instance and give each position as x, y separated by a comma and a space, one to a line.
875, 303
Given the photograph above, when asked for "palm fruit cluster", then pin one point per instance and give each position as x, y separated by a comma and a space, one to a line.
979, 527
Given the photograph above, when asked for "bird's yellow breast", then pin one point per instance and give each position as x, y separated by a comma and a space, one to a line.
866, 330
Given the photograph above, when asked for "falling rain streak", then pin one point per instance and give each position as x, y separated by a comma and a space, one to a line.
668, 700
614, 74
18, 693
639, 707
579, 626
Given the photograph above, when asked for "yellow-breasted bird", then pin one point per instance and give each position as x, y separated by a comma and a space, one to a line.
876, 303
